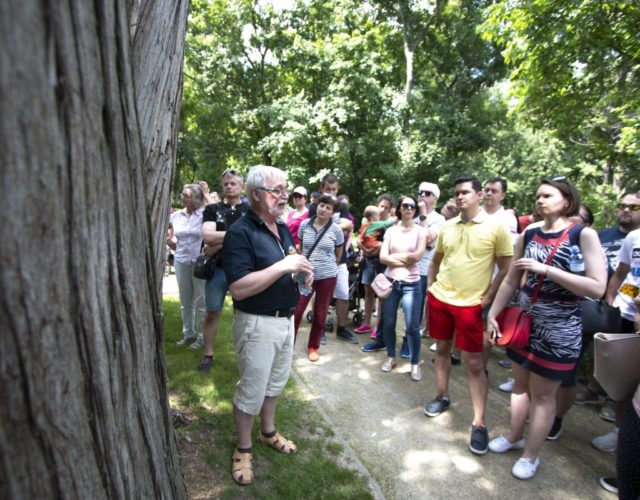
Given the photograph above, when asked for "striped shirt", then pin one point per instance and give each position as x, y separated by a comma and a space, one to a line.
323, 258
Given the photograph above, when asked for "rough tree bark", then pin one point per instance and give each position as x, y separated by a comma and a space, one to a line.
84, 409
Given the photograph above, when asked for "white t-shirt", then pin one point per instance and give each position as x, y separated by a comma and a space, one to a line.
508, 220
434, 221
630, 289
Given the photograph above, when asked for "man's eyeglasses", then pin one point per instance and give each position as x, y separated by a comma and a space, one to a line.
632, 208
275, 190
426, 193
408, 206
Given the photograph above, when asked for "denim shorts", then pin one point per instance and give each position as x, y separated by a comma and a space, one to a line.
371, 268
215, 290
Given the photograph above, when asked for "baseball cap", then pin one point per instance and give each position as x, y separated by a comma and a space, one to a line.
301, 190
430, 186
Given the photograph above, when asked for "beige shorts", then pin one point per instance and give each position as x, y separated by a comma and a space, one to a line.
264, 348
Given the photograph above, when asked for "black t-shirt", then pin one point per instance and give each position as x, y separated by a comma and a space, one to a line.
250, 246
224, 216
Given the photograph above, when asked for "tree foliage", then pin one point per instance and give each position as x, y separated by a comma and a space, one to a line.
389, 93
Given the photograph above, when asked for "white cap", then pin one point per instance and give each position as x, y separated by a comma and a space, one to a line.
300, 190
430, 186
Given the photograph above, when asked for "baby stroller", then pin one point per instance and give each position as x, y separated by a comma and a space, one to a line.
356, 292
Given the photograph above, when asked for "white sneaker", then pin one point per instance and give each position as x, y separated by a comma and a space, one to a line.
524, 468
388, 365
507, 386
198, 344
608, 442
433, 347
185, 340
502, 444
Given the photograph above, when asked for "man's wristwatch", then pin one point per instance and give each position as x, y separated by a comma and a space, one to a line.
423, 217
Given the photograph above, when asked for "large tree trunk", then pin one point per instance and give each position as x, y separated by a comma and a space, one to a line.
157, 30
84, 409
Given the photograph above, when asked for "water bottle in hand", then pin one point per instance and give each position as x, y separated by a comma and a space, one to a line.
576, 260
301, 278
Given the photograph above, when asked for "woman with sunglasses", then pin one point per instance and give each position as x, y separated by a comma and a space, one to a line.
300, 212
556, 321
401, 251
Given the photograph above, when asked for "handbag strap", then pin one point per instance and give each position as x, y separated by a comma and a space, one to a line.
536, 292
315, 243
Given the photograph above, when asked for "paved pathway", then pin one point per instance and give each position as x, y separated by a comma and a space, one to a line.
407, 455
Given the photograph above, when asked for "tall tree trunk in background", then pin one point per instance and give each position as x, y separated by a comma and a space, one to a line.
84, 409
157, 29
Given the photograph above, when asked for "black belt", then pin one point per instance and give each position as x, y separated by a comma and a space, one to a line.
280, 313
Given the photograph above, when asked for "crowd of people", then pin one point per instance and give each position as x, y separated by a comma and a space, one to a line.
452, 272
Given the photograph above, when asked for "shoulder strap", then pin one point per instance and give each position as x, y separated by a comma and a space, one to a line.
315, 243
536, 292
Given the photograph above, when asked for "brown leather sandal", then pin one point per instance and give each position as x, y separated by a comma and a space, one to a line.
279, 443
242, 468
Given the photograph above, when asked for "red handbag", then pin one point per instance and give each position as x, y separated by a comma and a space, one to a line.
515, 322
515, 327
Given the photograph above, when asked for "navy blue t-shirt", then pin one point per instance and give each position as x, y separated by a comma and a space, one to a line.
250, 246
611, 240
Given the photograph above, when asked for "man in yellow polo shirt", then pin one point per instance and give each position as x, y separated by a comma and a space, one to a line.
468, 248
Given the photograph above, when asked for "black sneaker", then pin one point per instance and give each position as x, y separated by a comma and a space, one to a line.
405, 352
610, 484
479, 442
437, 406
374, 346
347, 336
556, 429
205, 366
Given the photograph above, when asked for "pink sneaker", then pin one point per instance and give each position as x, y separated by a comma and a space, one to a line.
374, 333
363, 329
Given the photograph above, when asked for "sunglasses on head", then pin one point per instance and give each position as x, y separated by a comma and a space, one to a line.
632, 208
408, 206
231, 171
426, 193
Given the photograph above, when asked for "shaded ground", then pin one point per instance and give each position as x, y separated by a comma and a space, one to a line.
379, 419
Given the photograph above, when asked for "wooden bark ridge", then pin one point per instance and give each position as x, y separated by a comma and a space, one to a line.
89, 101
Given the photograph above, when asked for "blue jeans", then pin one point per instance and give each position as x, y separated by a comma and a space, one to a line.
411, 296
423, 300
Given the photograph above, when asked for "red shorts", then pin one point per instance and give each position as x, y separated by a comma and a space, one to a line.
465, 320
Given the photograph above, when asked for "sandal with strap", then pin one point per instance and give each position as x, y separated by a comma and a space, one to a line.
279, 443
242, 468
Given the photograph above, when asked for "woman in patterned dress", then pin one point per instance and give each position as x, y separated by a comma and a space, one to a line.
556, 328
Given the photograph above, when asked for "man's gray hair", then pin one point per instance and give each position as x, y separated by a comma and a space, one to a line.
258, 175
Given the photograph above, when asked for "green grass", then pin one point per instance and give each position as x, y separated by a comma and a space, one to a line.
313, 472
